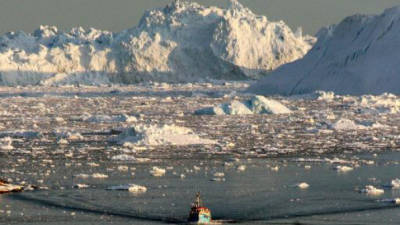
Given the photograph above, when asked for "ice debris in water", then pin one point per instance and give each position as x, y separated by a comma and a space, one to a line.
6, 144
256, 105
395, 184
6, 187
81, 186
346, 124
99, 176
134, 188
371, 190
343, 169
157, 172
241, 168
123, 157
160, 135
303, 185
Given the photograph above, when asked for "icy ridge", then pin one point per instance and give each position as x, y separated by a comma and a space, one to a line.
182, 42
358, 56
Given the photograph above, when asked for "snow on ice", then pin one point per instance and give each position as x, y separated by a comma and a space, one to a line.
183, 41
160, 135
358, 56
256, 105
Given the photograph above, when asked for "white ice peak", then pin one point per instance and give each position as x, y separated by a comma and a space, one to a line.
183, 42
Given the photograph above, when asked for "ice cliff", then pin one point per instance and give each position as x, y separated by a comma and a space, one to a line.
358, 56
182, 42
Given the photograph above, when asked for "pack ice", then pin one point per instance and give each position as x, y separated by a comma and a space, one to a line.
358, 56
182, 42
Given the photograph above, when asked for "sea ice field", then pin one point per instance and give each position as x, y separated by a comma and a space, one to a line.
138, 154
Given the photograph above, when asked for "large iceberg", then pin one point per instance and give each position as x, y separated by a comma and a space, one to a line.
179, 43
255, 105
358, 56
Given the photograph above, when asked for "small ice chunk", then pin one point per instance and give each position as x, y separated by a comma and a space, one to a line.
157, 172
241, 168
395, 184
82, 175
81, 186
93, 164
62, 141
219, 179
343, 169
123, 157
303, 185
99, 176
6, 144
134, 188
371, 190
275, 168
219, 174
123, 168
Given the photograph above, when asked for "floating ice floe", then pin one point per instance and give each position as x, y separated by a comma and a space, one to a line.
69, 135
241, 168
343, 169
346, 124
256, 105
6, 144
99, 175
157, 172
371, 190
154, 135
303, 185
6, 187
123, 157
81, 186
395, 184
134, 188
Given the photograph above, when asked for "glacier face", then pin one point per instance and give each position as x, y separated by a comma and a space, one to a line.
358, 56
182, 42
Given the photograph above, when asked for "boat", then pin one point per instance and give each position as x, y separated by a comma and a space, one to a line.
198, 213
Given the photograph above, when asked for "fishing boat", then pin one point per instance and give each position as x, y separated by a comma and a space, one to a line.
198, 213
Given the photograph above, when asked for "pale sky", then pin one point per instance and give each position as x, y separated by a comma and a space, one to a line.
116, 15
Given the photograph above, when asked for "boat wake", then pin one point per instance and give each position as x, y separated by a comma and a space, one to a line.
90, 208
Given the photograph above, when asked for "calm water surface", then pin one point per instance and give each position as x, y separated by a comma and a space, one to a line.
257, 195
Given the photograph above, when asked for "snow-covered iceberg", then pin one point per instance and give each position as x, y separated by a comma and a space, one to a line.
358, 56
182, 42
153, 135
256, 105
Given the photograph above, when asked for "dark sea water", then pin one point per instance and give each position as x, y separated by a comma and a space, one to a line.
257, 195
